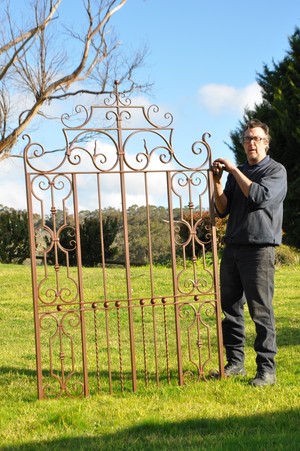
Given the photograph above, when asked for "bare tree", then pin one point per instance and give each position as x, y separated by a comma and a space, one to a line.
35, 60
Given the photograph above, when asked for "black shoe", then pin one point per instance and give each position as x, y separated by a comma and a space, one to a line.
262, 379
234, 369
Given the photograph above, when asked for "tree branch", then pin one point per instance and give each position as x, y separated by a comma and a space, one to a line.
30, 69
24, 38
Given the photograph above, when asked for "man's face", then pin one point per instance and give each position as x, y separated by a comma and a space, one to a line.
255, 148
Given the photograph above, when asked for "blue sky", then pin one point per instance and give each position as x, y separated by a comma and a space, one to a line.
205, 56
203, 60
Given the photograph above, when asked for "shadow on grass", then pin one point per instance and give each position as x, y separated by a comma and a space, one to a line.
115, 375
287, 336
17, 371
274, 431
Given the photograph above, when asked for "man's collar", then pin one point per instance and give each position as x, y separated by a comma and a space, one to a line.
262, 162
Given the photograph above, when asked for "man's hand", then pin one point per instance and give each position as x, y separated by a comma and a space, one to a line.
222, 164
217, 170
220, 199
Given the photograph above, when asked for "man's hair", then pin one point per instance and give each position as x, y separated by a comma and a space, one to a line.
257, 123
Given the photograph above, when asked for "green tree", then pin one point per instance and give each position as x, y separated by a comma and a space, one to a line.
92, 229
280, 109
14, 238
91, 243
148, 229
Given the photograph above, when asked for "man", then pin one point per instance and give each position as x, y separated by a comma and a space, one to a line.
253, 197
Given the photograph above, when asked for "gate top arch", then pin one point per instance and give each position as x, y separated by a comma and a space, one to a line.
122, 123
119, 147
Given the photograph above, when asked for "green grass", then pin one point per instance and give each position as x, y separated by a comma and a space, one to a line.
227, 414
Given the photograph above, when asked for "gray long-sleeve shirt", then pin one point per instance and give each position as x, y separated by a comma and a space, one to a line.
256, 219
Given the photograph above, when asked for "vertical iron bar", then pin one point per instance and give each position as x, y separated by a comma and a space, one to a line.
155, 340
199, 345
142, 303
34, 288
106, 305
216, 271
96, 347
120, 346
149, 235
166, 340
126, 242
80, 287
175, 291
101, 237
61, 356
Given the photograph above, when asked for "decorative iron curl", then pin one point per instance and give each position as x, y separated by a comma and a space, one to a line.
78, 109
209, 311
46, 325
145, 156
111, 100
196, 181
207, 236
186, 313
188, 284
197, 148
125, 114
49, 293
116, 98
71, 387
198, 151
154, 109
66, 292
189, 376
124, 100
203, 283
177, 228
97, 159
182, 179
100, 159
71, 234
73, 321
73, 157
52, 294
40, 242
113, 114
37, 153
59, 183
43, 185
165, 159
62, 377
50, 391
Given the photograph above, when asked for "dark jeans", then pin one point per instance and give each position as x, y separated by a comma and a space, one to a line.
247, 275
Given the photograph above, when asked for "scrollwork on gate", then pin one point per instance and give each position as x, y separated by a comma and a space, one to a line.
119, 139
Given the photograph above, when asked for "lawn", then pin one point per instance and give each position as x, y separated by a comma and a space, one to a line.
227, 414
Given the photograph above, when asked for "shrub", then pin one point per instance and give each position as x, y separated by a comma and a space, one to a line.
286, 255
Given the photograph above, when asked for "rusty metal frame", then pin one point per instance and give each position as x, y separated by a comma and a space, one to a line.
82, 343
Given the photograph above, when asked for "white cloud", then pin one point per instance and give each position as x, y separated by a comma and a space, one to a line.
12, 192
219, 99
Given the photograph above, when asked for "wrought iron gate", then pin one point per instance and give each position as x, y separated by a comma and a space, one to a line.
114, 327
